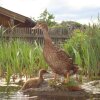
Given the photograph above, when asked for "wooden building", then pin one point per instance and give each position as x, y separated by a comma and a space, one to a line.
10, 18
19, 26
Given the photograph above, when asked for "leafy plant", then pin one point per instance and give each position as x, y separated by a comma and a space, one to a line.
84, 47
71, 83
47, 17
20, 58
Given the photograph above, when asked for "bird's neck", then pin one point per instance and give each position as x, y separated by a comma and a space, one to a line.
41, 77
47, 39
46, 36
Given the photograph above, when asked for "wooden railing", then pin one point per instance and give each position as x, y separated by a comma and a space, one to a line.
57, 34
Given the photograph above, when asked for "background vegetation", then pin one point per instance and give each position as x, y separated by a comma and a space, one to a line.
23, 58
20, 58
84, 47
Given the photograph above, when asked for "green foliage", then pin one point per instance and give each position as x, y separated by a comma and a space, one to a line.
20, 57
70, 23
71, 83
47, 17
84, 47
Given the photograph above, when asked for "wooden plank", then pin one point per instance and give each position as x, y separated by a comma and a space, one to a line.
12, 14
36, 34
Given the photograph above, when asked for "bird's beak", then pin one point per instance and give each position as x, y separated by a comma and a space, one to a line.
36, 26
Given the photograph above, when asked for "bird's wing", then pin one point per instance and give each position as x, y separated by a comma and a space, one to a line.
63, 55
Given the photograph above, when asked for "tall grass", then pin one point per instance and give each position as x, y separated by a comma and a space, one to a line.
20, 57
23, 58
84, 47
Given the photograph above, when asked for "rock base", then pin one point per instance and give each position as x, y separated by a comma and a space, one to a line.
87, 92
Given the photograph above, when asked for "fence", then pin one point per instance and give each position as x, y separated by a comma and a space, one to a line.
57, 34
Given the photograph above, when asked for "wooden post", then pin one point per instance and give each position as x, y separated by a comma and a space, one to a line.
12, 21
11, 28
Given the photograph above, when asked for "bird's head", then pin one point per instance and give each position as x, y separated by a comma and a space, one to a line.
42, 72
41, 25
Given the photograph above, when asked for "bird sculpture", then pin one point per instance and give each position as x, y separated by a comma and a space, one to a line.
60, 62
34, 82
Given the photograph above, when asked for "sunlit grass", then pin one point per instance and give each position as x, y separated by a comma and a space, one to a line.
20, 57
24, 58
84, 47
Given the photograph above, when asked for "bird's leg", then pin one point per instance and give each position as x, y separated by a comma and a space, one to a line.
67, 78
55, 76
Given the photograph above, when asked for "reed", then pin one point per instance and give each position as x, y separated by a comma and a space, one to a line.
84, 47
21, 58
